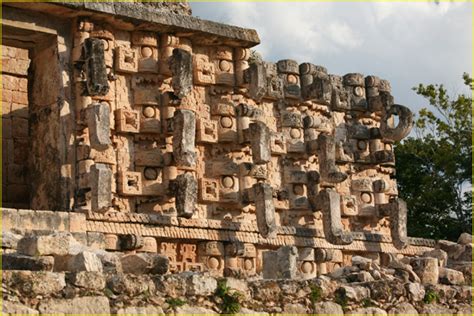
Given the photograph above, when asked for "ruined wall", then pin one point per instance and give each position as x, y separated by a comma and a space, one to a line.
15, 129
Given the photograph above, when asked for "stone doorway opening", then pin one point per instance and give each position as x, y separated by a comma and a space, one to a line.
30, 79
15, 127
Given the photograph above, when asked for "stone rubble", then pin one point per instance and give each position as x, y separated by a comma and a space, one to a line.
93, 281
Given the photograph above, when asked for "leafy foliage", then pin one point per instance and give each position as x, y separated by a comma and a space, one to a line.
315, 294
431, 296
434, 169
230, 299
341, 298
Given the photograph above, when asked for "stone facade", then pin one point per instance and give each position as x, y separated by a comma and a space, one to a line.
155, 134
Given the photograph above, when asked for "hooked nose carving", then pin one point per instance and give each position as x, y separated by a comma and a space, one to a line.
405, 123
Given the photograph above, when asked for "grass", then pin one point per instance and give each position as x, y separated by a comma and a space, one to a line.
175, 302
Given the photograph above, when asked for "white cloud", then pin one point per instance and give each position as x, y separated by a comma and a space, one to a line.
406, 43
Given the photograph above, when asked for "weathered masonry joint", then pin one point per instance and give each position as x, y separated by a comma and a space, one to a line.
148, 130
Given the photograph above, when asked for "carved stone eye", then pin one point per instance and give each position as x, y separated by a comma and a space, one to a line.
362, 145
147, 51
106, 44
227, 182
366, 197
149, 112
295, 133
150, 173
298, 189
224, 65
226, 122
292, 79
248, 264
359, 91
213, 263
307, 267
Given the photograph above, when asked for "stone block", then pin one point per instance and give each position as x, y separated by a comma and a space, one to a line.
465, 239
184, 138
200, 284
9, 239
439, 254
130, 284
280, 264
90, 280
83, 261
145, 263
265, 209
181, 66
126, 59
451, 277
13, 261
87, 305
368, 311
101, 186
426, 268
98, 122
127, 121
15, 308
327, 308
186, 194
34, 283
93, 64
110, 261
260, 141
453, 249
415, 291
56, 244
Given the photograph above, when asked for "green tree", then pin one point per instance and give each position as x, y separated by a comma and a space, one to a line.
434, 167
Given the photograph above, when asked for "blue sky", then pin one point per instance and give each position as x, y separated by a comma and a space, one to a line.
406, 43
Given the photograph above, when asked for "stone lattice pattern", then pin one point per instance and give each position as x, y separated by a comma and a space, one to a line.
168, 135
172, 127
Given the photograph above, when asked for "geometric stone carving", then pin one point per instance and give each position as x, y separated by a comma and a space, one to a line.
224, 65
405, 123
209, 190
329, 202
288, 71
126, 59
130, 183
355, 86
130, 242
327, 160
206, 131
397, 211
204, 71
315, 83
127, 121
